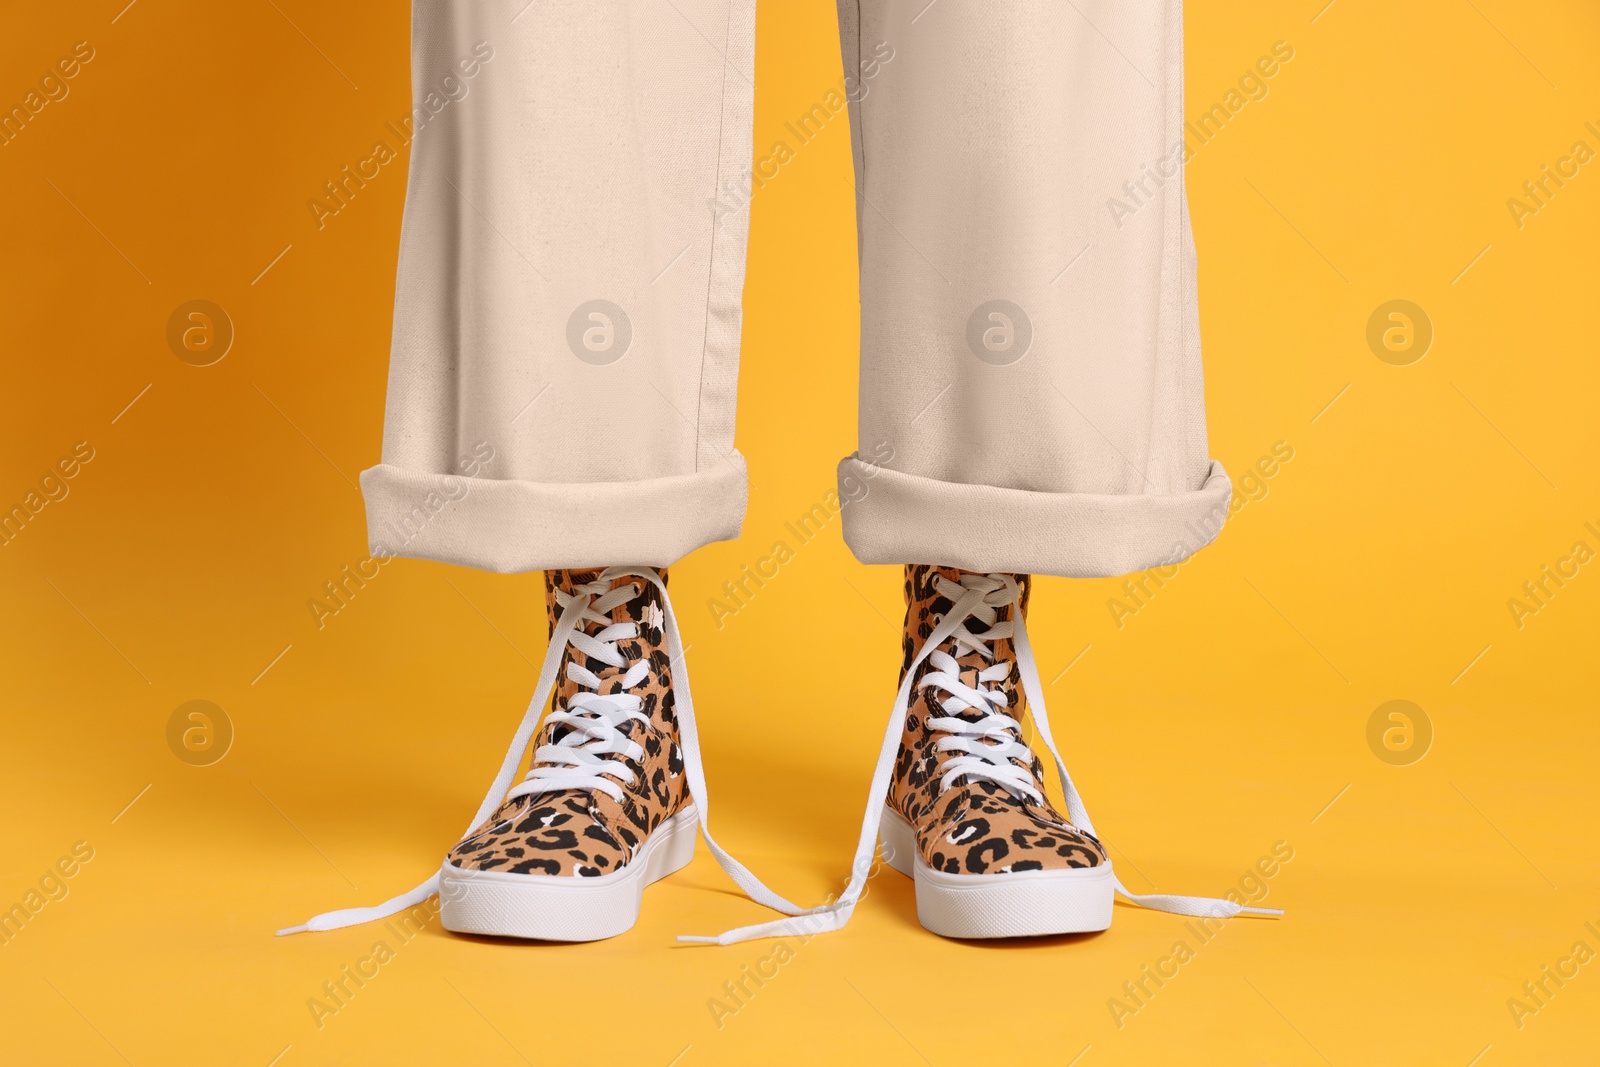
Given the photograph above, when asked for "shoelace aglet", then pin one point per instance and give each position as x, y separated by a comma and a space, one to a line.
699, 939
331, 921
1270, 913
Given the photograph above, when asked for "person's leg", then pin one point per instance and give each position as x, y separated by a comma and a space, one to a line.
567, 311
1030, 364
561, 398
1030, 403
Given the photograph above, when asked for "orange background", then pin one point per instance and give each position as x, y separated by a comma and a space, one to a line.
1228, 714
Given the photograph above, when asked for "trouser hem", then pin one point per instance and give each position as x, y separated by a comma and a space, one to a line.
904, 518
509, 526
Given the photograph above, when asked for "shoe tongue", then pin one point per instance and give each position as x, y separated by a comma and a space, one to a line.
969, 678
644, 607
611, 681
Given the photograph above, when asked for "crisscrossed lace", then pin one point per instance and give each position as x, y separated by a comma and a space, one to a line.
985, 747
976, 596
594, 720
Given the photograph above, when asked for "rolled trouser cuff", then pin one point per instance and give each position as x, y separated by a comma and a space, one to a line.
507, 526
903, 518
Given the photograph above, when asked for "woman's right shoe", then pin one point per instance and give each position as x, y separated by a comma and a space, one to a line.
604, 809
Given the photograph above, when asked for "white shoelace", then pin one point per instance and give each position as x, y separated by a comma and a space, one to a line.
986, 745
976, 596
594, 722
595, 733
576, 762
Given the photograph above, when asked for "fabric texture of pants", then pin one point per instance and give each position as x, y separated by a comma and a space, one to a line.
566, 345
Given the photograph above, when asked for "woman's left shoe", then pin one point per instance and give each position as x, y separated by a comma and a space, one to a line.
957, 796
967, 816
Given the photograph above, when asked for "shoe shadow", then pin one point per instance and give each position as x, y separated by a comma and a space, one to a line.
508, 942
1016, 943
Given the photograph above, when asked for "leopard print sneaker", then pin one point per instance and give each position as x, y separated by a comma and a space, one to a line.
616, 787
604, 810
607, 805
614, 794
958, 801
967, 816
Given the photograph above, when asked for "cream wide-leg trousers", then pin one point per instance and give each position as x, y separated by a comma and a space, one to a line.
567, 319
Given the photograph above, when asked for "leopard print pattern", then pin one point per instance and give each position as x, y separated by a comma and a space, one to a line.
974, 827
585, 833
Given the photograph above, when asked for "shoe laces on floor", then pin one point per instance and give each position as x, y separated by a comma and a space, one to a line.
976, 596
979, 597
594, 724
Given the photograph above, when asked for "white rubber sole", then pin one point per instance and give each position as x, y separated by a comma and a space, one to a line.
565, 908
1022, 904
